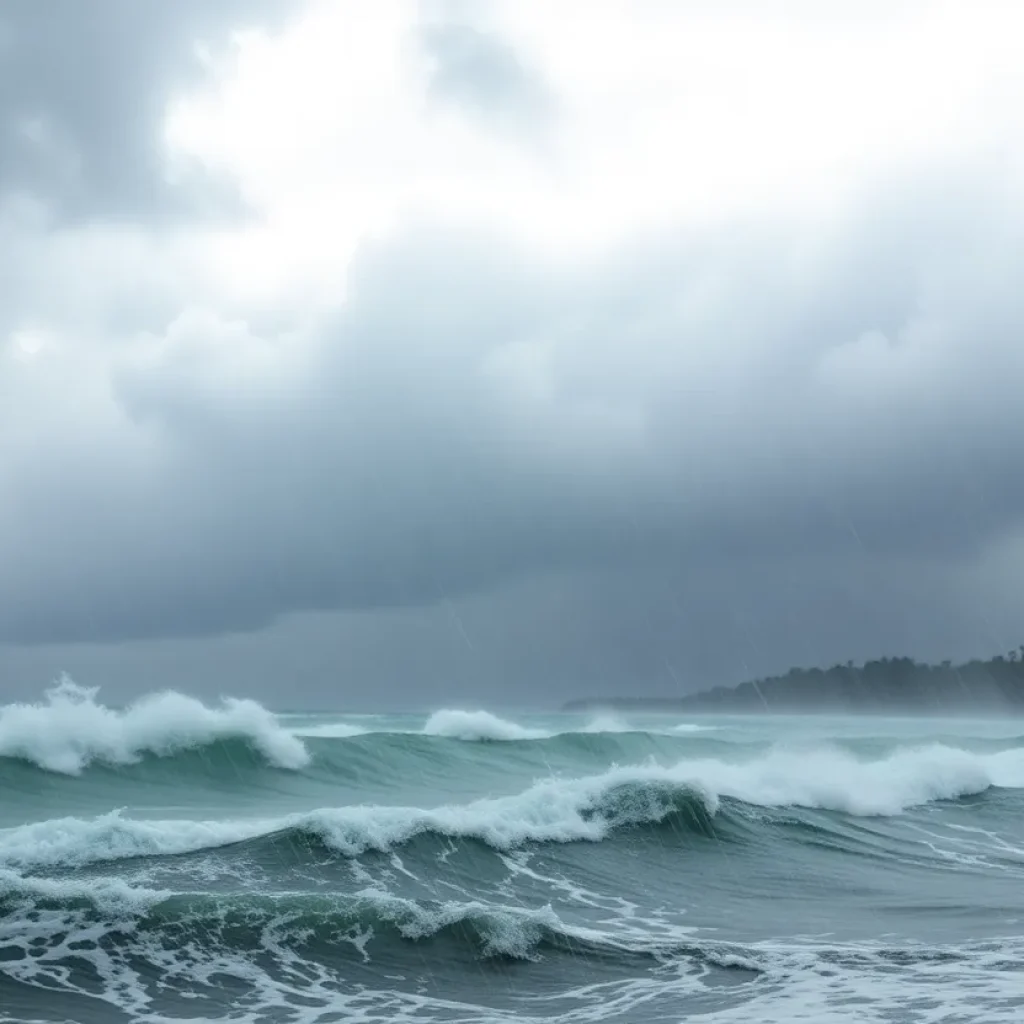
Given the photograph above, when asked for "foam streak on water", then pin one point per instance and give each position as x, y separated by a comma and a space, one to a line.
175, 859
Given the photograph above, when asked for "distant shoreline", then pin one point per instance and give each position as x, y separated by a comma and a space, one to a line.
883, 686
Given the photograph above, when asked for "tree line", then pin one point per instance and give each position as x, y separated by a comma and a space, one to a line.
886, 684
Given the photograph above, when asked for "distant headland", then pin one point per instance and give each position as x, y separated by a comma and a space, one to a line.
893, 685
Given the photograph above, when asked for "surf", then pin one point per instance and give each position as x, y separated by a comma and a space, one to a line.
559, 809
70, 732
69, 729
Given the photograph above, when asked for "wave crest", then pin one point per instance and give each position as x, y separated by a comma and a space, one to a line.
475, 726
555, 810
483, 726
70, 729
321, 925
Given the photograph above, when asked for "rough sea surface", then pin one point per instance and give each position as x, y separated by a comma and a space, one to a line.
178, 862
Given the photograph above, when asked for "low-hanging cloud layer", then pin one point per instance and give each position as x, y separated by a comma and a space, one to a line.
707, 322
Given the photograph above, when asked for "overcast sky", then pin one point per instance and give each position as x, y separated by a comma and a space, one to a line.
411, 354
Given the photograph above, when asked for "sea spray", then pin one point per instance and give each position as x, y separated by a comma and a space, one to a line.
554, 810
210, 863
70, 729
475, 726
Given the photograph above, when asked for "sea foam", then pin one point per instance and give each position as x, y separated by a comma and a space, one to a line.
554, 810
70, 729
479, 726
475, 726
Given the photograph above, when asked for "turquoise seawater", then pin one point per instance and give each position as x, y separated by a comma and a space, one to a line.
175, 861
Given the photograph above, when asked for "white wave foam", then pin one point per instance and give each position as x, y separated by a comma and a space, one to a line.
608, 723
481, 726
475, 726
833, 780
614, 724
110, 894
329, 731
69, 729
555, 809
76, 842
834, 983
503, 930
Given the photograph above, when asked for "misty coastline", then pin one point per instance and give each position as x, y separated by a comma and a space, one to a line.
882, 686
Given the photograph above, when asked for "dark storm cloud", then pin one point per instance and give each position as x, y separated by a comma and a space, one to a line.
83, 87
772, 403
548, 637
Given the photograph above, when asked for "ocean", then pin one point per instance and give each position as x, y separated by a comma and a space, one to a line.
185, 861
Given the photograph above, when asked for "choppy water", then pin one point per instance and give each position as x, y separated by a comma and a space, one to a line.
172, 862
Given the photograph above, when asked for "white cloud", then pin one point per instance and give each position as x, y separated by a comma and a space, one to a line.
666, 114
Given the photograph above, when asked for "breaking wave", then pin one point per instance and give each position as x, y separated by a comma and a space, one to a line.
475, 726
186, 860
324, 925
553, 810
69, 730
483, 726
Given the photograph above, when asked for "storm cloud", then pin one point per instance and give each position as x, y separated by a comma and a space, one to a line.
83, 89
799, 426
